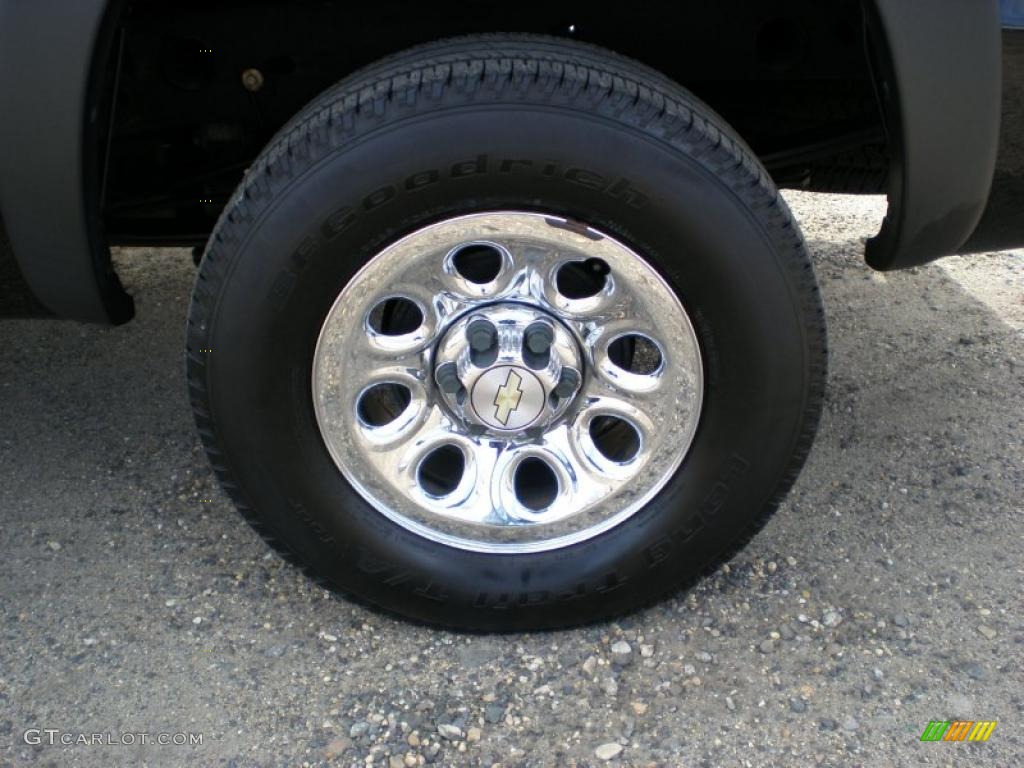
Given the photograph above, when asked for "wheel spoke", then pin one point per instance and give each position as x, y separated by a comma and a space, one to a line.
611, 381
402, 458
355, 365
536, 484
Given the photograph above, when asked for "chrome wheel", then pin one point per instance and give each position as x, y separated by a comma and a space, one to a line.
507, 382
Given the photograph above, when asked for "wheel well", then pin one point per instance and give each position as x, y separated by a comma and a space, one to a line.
198, 88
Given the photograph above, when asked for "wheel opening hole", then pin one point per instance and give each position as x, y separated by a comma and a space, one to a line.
395, 317
478, 263
615, 438
536, 486
441, 471
636, 354
381, 404
582, 279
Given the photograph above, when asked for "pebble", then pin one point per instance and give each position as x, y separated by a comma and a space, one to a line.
622, 653
900, 620
850, 724
608, 751
358, 729
974, 671
832, 619
449, 731
54, 545
730, 704
639, 708
494, 713
798, 705
988, 632
828, 724
610, 686
767, 646
473, 734
336, 747
958, 706
705, 657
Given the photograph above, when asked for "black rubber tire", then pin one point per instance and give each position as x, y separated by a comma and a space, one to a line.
609, 142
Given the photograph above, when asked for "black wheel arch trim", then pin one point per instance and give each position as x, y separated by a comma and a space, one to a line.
938, 66
53, 56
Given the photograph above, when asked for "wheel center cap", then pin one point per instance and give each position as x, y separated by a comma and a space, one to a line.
508, 368
508, 397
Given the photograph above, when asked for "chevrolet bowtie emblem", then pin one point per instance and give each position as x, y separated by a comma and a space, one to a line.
508, 396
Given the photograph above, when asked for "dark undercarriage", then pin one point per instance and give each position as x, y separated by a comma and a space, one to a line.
197, 89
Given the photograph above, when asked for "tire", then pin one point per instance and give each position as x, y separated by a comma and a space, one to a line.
597, 139
861, 171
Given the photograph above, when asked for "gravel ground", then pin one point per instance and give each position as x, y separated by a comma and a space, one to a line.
885, 593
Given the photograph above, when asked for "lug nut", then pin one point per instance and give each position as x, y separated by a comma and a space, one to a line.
482, 335
447, 377
538, 338
567, 383
252, 80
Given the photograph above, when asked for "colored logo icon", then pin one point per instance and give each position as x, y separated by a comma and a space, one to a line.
958, 730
